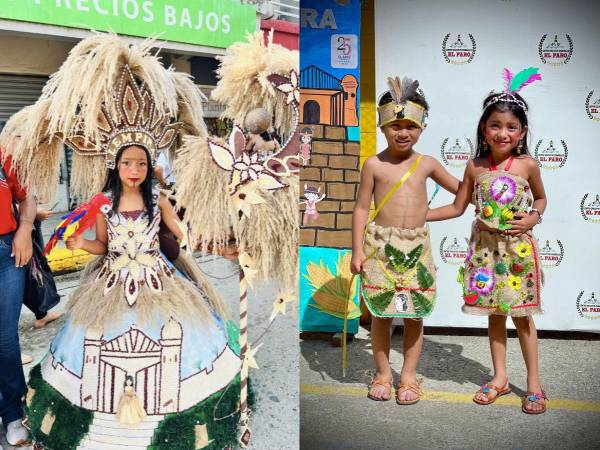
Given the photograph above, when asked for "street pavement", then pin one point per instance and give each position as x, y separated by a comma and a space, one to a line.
275, 422
336, 414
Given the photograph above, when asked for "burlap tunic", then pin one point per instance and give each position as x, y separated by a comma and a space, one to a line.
398, 277
502, 274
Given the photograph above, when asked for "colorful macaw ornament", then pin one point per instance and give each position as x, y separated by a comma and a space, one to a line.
76, 222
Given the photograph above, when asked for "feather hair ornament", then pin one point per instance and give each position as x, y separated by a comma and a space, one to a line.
523, 78
513, 83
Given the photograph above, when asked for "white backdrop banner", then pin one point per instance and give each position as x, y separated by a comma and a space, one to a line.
457, 51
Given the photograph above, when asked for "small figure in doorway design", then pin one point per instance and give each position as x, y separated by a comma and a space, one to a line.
130, 410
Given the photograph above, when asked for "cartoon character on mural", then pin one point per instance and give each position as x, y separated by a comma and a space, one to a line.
306, 136
313, 196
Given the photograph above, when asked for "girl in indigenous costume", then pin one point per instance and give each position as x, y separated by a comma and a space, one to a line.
147, 357
502, 273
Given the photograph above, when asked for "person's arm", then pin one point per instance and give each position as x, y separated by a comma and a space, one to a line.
21, 246
461, 201
169, 217
360, 215
445, 179
98, 246
522, 221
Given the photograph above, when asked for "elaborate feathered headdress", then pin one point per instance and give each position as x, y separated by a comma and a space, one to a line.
401, 107
513, 84
108, 94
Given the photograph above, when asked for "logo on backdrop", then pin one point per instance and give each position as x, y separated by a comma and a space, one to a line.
588, 306
590, 207
551, 156
454, 251
551, 254
592, 107
459, 50
458, 154
557, 51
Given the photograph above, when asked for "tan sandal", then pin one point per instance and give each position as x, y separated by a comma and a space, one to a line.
486, 388
535, 397
414, 387
386, 384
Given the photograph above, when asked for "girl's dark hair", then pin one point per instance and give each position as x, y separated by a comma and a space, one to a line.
129, 377
114, 185
501, 106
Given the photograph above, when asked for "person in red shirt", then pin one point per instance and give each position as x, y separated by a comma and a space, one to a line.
15, 253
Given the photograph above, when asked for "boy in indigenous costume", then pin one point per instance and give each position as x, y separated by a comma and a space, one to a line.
391, 249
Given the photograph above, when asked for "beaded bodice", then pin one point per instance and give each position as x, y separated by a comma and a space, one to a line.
133, 259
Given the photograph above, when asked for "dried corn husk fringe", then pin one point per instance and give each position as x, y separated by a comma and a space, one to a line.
243, 84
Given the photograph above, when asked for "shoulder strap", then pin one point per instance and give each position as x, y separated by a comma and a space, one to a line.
400, 182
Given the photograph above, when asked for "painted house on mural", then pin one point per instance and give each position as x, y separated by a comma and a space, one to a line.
325, 99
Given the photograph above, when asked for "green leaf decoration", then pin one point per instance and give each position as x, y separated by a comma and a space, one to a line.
504, 226
379, 302
396, 257
497, 210
504, 307
423, 306
414, 256
424, 277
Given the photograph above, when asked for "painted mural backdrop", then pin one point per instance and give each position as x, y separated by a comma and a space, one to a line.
458, 60
330, 151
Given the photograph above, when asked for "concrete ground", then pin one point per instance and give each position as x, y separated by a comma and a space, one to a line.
275, 421
336, 414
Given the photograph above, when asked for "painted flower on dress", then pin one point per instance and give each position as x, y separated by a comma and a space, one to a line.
503, 189
507, 214
514, 282
482, 281
488, 211
130, 234
523, 249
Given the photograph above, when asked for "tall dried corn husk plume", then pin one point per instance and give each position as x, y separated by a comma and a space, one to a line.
202, 189
37, 166
243, 84
85, 82
270, 235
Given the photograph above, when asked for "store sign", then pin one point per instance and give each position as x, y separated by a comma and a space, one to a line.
214, 23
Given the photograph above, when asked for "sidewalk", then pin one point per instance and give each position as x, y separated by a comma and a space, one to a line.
275, 422
336, 414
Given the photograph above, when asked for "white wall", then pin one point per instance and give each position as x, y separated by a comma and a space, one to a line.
409, 36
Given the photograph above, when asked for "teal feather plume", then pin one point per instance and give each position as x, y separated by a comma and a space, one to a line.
523, 78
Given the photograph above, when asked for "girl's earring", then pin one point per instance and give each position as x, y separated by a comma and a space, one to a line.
520, 148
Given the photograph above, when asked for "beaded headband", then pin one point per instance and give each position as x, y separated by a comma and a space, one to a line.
515, 83
400, 107
131, 120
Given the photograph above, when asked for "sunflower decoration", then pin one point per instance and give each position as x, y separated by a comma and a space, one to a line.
523, 249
